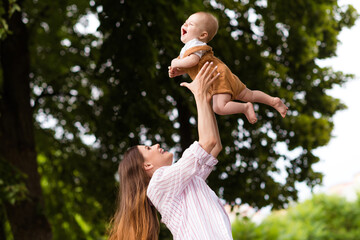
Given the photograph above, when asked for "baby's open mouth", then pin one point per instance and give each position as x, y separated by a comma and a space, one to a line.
184, 31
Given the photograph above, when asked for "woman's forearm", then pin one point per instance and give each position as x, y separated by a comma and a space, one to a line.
207, 126
208, 133
218, 147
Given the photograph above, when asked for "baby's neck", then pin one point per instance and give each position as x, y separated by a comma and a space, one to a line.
194, 39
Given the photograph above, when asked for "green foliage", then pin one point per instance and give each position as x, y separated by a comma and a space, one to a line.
320, 218
12, 186
78, 181
244, 229
7, 9
5, 229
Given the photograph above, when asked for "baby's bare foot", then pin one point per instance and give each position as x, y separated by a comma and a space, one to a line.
279, 106
250, 113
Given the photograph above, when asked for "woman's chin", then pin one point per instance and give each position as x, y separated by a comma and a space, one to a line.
170, 157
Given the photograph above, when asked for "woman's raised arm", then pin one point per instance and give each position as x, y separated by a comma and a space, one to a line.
207, 127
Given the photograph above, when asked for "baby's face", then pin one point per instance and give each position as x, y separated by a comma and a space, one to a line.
192, 28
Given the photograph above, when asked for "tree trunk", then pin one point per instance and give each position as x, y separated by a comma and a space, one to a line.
2, 224
27, 218
185, 126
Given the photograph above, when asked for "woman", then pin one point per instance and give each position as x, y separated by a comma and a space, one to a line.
149, 180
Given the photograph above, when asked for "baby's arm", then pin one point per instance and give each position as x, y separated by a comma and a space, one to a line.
186, 62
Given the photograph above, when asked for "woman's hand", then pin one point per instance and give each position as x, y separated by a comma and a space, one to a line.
201, 84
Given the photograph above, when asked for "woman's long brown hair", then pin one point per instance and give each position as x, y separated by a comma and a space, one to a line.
135, 218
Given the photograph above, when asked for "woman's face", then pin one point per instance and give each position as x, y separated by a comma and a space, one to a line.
155, 157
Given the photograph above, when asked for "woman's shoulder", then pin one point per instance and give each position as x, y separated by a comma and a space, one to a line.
157, 174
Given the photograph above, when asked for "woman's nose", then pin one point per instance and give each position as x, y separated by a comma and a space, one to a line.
157, 145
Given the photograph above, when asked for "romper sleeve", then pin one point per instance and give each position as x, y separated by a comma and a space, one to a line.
172, 180
199, 53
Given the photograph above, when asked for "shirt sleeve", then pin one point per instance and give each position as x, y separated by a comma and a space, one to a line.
193, 43
199, 53
207, 168
172, 180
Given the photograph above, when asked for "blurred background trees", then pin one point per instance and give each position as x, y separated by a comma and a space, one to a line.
72, 101
321, 217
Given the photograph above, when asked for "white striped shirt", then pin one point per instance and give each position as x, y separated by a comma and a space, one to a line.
188, 206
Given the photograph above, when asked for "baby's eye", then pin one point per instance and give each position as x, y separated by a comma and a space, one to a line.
147, 148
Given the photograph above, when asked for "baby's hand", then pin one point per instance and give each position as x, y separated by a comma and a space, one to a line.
174, 72
171, 72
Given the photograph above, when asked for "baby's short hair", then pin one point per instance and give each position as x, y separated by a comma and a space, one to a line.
211, 25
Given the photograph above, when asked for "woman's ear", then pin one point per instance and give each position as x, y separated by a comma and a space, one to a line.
148, 166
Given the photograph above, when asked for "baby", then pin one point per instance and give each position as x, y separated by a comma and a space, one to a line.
196, 32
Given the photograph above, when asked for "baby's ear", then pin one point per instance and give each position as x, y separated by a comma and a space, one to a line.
203, 35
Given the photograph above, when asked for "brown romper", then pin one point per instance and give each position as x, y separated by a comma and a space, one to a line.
226, 83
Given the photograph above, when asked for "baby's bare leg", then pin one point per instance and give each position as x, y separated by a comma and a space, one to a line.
223, 106
248, 95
